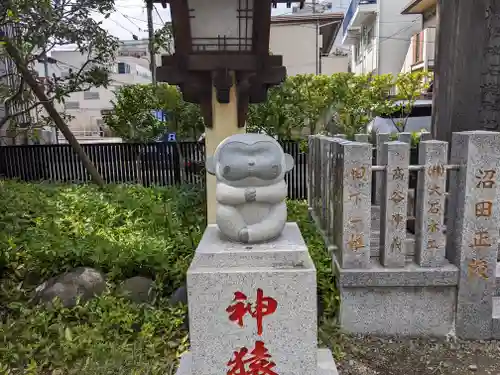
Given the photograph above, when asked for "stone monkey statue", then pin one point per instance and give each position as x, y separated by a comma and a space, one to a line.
251, 188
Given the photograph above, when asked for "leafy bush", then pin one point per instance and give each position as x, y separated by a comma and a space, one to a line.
124, 231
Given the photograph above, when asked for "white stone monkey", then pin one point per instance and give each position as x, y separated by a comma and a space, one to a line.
251, 188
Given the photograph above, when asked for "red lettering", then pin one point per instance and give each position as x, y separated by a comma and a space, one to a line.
240, 307
257, 363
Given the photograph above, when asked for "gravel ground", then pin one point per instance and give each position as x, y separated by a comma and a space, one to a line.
372, 356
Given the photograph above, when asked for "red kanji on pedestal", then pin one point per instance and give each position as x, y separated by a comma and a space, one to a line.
257, 363
263, 306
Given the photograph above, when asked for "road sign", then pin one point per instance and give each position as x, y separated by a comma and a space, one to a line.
158, 114
171, 137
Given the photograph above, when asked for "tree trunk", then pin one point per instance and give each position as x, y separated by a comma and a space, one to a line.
49, 107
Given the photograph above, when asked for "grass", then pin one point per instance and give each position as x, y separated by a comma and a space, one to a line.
123, 231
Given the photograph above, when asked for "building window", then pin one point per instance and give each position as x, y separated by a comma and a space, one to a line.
357, 51
123, 68
90, 95
72, 105
418, 48
369, 37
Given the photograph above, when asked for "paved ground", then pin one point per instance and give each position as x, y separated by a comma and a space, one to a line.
375, 356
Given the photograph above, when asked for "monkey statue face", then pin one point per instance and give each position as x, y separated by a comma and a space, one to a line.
249, 160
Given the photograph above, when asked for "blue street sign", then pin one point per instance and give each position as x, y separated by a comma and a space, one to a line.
171, 137
158, 114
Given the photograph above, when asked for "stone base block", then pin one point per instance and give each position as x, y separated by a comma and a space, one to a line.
326, 363
409, 301
496, 318
497, 280
253, 297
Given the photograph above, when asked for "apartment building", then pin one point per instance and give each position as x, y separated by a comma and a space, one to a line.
20, 113
87, 107
306, 40
422, 49
378, 35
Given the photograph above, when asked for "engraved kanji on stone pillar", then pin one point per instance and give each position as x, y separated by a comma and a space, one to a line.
394, 201
355, 169
430, 246
380, 139
472, 228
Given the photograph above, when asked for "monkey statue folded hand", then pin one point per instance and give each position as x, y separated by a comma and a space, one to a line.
251, 189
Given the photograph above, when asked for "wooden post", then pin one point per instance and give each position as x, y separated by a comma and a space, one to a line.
467, 90
225, 123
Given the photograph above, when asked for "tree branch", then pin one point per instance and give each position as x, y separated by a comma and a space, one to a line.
49, 107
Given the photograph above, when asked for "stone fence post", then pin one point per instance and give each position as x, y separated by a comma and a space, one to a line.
380, 139
394, 200
472, 228
431, 193
354, 163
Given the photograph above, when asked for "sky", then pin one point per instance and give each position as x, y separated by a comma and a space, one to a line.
130, 18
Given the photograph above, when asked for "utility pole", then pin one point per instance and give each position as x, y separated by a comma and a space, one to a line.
317, 37
152, 55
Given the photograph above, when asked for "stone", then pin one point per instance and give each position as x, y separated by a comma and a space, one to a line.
354, 166
260, 296
404, 137
409, 301
363, 138
251, 189
394, 200
138, 289
179, 296
326, 364
425, 136
496, 319
430, 244
82, 283
380, 139
472, 228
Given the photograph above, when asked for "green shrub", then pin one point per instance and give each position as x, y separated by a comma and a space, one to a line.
123, 231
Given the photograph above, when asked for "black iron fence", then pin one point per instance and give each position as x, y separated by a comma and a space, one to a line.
160, 164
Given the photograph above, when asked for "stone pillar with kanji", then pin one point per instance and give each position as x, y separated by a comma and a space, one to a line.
252, 296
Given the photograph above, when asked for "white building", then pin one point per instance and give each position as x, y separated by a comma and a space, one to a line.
137, 51
22, 114
378, 35
422, 50
306, 42
87, 107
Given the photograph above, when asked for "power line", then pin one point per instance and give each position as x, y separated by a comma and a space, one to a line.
129, 20
159, 15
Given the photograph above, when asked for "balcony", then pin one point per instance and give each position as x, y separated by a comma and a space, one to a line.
421, 52
357, 14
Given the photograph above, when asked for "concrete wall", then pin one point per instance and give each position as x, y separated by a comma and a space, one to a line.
297, 44
395, 34
390, 37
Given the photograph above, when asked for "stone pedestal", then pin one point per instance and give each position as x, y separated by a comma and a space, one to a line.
253, 307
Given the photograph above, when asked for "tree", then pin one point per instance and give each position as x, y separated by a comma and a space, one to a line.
133, 117
292, 108
31, 29
409, 87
